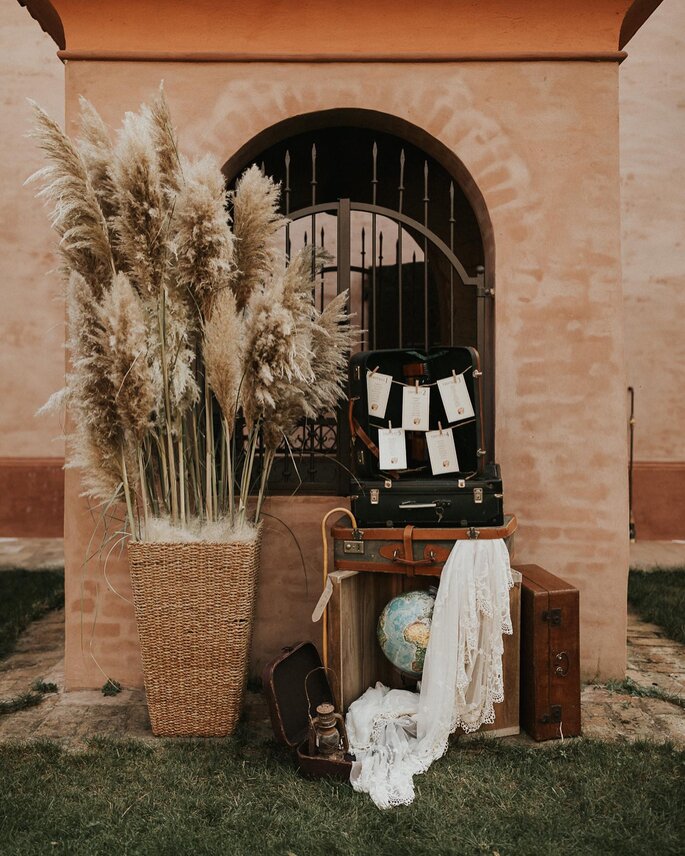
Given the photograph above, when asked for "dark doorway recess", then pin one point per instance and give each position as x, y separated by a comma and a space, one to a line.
401, 232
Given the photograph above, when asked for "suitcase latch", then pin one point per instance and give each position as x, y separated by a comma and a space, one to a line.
478, 495
554, 714
553, 616
355, 547
375, 496
461, 483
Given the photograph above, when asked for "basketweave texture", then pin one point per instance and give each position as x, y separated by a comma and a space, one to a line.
194, 607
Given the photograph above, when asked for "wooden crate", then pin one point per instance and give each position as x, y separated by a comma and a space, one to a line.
356, 658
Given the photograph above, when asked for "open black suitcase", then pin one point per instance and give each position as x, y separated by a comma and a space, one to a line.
472, 496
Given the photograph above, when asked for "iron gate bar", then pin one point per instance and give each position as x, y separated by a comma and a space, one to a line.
287, 204
452, 222
425, 255
374, 186
399, 250
344, 245
313, 184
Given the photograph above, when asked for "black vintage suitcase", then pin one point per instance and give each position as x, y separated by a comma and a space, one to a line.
436, 501
550, 655
471, 497
408, 367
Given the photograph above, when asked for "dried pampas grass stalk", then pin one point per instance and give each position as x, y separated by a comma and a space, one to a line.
97, 151
125, 348
165, 142
143, 220
98, 444
76, 214
203, 241
256, 223
332, 340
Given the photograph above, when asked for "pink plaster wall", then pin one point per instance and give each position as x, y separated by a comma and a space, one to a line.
31, 310
541, 141
653, 208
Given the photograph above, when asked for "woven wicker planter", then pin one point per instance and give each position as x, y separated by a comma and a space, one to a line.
194, 607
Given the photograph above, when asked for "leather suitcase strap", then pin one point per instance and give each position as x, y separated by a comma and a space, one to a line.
433, 554
356, 430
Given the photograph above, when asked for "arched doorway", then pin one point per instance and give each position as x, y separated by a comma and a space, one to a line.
404, 229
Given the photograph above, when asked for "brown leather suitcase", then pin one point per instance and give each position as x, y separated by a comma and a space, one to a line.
550, 655
410, 550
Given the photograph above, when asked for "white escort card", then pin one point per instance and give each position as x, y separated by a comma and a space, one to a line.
377, 391
416, 408
455, 398
443, 454
392, 449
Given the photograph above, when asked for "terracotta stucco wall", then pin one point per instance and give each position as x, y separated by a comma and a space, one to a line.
31, 310
355, 27
541, 141
652, 83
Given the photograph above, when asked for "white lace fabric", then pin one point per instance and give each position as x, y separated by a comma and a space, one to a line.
396, 734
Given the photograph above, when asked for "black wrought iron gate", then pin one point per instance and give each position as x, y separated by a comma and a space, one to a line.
407, 288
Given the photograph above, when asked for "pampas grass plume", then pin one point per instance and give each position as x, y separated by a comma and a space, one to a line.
222, 353
256, 223
125, 353
76, 214
203, 241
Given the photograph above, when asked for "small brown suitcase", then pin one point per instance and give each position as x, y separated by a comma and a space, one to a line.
550, 655
410, 550
284, 686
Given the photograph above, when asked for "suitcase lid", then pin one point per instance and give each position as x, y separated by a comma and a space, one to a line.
284, 686
544, 581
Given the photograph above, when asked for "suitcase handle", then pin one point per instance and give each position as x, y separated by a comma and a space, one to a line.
409, 503
414, 562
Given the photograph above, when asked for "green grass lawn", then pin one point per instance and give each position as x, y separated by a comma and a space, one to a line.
25, 596
659, 597
243, 796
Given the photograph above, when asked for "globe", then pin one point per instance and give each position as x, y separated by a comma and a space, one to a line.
403, 630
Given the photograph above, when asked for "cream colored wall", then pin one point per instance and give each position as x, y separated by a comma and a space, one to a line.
541, 140
31, 310
652, 99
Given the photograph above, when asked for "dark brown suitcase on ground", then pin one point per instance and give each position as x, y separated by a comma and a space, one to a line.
550, 655
284, 687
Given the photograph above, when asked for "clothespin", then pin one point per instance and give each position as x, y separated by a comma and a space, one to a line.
416, 386
373, 371
454, 376
440, 428
389, 424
